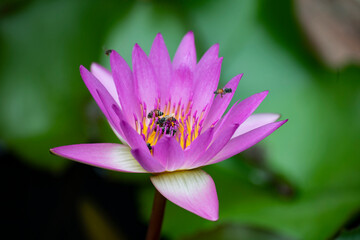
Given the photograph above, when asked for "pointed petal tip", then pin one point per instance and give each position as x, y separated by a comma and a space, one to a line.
51, 151
255, 121
283, 121
213, 51
190, 33
278, 116
158, 39
54, 151
159, 35
186, 52
262, 95
138, 53
238, 77
213, 218
189, 38
113, 53
277, 124
219, 62
82, 68
215, 48
96, 67
136, 47
84, 72
93, 64
110, 156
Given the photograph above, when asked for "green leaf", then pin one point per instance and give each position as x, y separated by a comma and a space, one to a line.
235, 231
350, 235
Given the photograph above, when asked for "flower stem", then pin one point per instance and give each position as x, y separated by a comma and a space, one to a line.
157, 215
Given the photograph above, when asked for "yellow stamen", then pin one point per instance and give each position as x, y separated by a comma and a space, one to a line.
188, 125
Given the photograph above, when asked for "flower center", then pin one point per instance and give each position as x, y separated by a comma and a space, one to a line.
175, 120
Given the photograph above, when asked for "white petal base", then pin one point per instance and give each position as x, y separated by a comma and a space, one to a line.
193, 190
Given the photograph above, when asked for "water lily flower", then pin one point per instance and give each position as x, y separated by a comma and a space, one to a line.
170, 122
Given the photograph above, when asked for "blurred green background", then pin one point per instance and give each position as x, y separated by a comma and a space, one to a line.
302, 182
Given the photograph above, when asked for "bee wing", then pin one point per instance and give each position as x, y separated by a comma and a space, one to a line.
170, 115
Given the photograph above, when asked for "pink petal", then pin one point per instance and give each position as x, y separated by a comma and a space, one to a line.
181, 88
124, 82
168, 151
186, 53
114, 114
243, 142
209, 58
119, 136
133, 138
105, 77
95, 87
92, 83
240, 112
193, 190
255, 121
220, 104
198, 147
146, 83
206, 82
216, 146
105, 155
140, 150
147, 161
160, 59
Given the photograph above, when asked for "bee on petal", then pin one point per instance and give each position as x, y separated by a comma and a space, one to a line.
222, 92
168, 124
149, 146
155, 113
108, 52
167, 118
171, 132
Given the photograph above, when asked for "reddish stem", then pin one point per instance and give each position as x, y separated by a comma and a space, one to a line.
157, 216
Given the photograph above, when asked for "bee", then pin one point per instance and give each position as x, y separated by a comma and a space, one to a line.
168, 131
173, 131
108, 51
161, 122
155, 113
166, 119
149, 146
222, 92
169, 123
